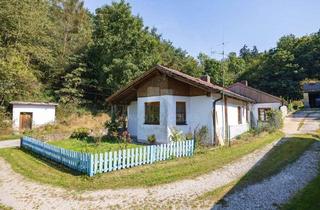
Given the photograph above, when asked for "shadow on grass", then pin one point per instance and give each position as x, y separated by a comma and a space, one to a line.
52, 164
285, 152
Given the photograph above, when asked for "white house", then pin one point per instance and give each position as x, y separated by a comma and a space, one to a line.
263, 101
27, 115
163, 98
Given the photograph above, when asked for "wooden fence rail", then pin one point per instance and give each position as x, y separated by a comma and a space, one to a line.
109, 161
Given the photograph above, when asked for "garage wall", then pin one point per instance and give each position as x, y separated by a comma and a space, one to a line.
41, 114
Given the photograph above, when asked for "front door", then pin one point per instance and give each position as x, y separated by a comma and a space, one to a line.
25, 120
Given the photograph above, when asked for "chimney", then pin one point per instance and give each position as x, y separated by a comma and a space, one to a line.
205, 78
245, 82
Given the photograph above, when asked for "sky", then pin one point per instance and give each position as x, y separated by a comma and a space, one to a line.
203, 25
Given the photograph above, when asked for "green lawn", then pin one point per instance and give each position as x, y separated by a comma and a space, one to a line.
9, 137
84, 146
202, 162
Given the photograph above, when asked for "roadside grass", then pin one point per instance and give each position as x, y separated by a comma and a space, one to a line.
278, 158
307, 198
9, 137
92, 147
204, 161
3, 207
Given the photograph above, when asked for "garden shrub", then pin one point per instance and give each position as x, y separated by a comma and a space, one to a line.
152, 139
273, 123
295, 105
5, 122
125, 137
80, 133
275, 120
176, 135
189, 136
201, 136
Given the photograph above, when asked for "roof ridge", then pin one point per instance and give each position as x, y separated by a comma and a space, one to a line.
249, 87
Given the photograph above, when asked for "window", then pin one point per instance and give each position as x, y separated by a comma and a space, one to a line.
181, 113
152, 113
239, 115
247, 113
262, 112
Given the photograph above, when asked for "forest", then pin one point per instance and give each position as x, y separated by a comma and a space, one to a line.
56, 50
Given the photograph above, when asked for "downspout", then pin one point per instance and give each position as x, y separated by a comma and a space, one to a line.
214, 119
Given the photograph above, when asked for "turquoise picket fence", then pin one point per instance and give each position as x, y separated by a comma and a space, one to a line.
109, 161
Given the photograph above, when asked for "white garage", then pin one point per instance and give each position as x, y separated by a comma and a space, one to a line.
28, 115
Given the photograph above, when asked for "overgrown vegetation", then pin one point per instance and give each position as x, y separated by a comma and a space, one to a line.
274, 122
59, 51
202, 162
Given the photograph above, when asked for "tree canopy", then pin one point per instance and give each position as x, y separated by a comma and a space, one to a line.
57, 50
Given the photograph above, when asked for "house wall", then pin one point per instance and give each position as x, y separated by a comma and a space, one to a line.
41, 114
198, 109
255, 108
132, 118
234, 127
198, 113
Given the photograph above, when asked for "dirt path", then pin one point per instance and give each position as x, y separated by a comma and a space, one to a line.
10, 143
20, 193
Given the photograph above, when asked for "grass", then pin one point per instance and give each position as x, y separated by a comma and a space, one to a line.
202, 162
91, 147
307, 198
3, 207
277, 159
9, 137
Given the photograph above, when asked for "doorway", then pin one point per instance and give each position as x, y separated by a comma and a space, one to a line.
25, 121
314, 100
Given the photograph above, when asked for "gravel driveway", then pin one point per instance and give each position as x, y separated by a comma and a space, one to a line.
278, 189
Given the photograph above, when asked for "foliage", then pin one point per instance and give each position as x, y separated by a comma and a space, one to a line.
152, 139
274, 119
56, 50
176, 135
189, 136
112, 127
201, 136
295, 105
273, 123
80, 133
125, 137
5, 122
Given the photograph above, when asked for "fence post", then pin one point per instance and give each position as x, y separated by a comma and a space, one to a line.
90, 164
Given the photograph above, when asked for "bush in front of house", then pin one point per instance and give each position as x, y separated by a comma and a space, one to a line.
201, 136
295, 105
176, 135
274, 120
152, 139
273, 123
189, 136
80, 133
